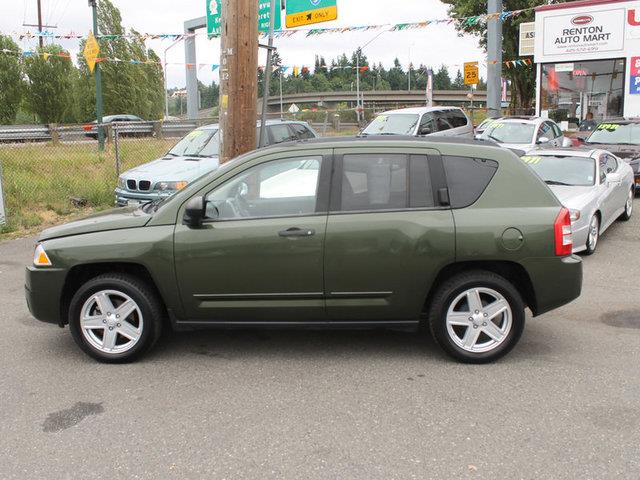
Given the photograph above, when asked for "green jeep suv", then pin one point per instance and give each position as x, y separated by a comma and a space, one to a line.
457, 236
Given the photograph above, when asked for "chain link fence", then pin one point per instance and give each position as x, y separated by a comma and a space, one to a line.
51, 172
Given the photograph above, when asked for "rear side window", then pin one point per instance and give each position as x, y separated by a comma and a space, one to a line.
385, 182
301, 131
374, 182
457, 118
467, 178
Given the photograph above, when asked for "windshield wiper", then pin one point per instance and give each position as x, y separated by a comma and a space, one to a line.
151, 205
555, 182
494, 138
171, 155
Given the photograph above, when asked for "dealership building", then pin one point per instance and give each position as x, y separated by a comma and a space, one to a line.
587, 55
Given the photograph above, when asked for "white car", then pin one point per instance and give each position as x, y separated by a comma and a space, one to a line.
525, 133
421, 121
595, 185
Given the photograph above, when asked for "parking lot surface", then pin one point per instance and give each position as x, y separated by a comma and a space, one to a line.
315, 404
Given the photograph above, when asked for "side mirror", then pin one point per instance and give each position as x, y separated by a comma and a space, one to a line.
194, 212
543, 140
425, 130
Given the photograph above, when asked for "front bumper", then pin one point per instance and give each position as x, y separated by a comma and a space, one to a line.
127, 198
43, 292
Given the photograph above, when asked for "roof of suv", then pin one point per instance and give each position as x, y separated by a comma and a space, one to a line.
269, 122
419, 110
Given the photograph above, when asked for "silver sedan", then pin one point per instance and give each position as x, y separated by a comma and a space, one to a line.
595, 185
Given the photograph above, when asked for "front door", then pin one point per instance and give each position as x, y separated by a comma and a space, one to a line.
387, 235
259, 256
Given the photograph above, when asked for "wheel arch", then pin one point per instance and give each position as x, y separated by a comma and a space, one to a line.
510, 271
80, 274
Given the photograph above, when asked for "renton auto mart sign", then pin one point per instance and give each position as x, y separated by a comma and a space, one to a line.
601, 31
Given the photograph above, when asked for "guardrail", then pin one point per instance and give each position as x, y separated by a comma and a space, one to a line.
64, 133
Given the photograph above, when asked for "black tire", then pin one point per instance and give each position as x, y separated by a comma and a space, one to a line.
591, 246
452, 288
145, 298
628, 209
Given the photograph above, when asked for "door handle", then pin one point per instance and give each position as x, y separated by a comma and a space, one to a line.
297, 232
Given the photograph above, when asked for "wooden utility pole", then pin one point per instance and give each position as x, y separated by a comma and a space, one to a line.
238, 78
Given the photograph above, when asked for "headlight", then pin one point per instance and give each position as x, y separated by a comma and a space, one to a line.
164, 186
40, 257
122, 183
574, 215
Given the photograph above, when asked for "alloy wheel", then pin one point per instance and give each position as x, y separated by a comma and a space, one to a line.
111, 321
594, 233
479, 320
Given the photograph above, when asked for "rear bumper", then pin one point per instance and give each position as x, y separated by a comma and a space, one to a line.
43, 292
556, 281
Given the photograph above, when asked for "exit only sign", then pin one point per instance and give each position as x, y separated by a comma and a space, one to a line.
306, 12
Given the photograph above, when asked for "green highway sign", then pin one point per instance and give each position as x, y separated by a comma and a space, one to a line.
214, 9
306, 12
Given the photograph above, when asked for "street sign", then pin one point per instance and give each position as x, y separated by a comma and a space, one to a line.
527, 38
91, 51
471, 76
214, 9
294, 108
306, 12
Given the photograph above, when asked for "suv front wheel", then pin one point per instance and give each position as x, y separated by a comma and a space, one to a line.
477, 316
115, 317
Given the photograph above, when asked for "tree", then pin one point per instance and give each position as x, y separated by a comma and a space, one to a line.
441, 79
11, 84
458, 83
50, 83
523, 79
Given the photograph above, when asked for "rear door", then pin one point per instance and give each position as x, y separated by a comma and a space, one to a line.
387, 235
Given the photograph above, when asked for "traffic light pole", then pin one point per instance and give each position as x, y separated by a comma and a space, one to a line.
94, 10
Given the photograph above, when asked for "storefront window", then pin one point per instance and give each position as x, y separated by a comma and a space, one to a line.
583, 92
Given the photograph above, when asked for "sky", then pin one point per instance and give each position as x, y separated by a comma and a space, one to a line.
433, 46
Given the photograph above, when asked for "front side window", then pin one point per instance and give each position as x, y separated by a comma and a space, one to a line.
545, 131
392, 124
556, 130
509, 132
442, 122
427, 124
285, 187
563, 170
609, 164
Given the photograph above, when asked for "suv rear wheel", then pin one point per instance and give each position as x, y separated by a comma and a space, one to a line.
477, 316
115, 317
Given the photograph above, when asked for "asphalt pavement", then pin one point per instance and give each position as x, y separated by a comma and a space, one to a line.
332, 405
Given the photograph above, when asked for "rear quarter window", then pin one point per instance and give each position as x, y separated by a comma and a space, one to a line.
467, 178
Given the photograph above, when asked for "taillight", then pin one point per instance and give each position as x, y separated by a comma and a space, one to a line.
87, 128
563, 234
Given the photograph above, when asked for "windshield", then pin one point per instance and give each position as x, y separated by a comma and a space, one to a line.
613, 133
199, 143
392, 124
509, 132
563, 170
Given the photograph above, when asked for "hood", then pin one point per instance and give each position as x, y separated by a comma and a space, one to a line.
167, 169
115, 219
572, 197
525, 147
